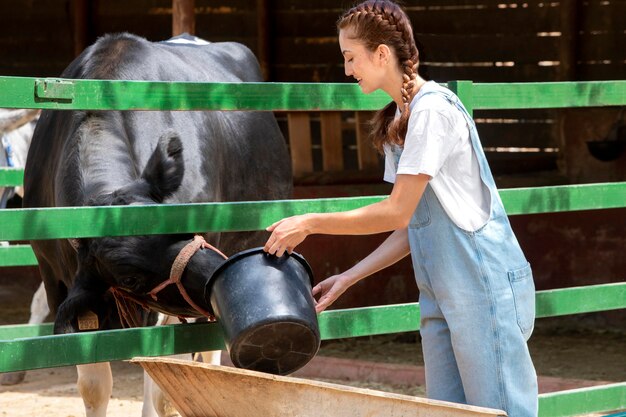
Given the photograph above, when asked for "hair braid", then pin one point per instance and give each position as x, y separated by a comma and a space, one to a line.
376, 22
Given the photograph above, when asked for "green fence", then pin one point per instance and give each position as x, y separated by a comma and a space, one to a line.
21, 345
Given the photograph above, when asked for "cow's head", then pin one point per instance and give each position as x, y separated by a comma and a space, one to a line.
137, 264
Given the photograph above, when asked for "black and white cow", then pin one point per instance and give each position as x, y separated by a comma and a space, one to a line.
80, 158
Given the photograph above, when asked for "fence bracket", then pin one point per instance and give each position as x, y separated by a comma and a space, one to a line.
52, 89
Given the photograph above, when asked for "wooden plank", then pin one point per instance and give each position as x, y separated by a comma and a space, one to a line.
603, 47
493, 21
367, 156
81, 22
199, 389
508, 163
434, 4
222, 26
333, 71
265, 31
52, 47
568, 48
183, 17
449, 48
601, 71
332, 145
154, 28
299, 126
602, 16
517, 135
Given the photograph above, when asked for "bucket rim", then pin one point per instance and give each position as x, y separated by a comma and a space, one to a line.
254, 251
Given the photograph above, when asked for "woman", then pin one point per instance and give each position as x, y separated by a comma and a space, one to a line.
476, 287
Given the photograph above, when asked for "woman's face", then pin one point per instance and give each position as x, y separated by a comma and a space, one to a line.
361, 63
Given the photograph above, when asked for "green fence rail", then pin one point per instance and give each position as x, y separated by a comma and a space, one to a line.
21, 345
17, 342
58, 93
11, 177
65, 222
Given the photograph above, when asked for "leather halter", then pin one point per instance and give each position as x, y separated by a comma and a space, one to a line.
178, 267
176, 272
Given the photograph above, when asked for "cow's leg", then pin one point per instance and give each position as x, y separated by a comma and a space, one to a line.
39, 310
214, 357
155, 402
95, 385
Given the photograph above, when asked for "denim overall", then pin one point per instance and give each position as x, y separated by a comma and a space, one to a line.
477, 301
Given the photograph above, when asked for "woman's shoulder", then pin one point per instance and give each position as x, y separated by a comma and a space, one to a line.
430, 96
433, 98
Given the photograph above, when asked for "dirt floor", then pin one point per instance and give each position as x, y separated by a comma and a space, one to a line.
560, 349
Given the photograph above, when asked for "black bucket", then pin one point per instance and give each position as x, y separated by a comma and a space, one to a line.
265, 308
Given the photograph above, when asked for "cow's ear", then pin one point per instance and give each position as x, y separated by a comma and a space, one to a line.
84, 303
165, 169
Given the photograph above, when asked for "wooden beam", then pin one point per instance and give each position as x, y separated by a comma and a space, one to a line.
568, 48
299, 125
183, 17
263, 37
80, 25
332, 147
367, 155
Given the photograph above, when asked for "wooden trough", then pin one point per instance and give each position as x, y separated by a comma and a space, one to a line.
204, 390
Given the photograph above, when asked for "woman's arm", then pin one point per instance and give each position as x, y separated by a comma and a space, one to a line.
390, 214
394, 248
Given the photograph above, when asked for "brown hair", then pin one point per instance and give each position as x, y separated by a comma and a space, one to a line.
376, 22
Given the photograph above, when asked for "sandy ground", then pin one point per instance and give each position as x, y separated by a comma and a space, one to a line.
52, 392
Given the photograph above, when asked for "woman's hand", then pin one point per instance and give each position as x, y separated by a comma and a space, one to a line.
330, 289
286, 235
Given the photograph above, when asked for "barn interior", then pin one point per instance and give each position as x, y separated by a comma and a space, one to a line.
485, 41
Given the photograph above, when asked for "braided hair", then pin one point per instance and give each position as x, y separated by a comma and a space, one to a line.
376, 22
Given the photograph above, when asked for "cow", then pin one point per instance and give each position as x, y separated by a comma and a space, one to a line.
102, 158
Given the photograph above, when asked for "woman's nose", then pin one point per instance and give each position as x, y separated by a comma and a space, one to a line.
348, 70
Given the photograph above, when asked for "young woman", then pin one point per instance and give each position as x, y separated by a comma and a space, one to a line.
476, 287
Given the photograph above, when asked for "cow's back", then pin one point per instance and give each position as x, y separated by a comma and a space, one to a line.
228, 155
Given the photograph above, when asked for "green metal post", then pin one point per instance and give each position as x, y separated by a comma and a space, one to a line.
465, 91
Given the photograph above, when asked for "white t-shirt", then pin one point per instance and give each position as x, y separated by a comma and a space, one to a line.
438, 144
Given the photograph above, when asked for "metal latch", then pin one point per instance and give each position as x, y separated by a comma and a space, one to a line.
52, 89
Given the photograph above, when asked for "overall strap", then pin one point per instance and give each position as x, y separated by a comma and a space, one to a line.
485, 171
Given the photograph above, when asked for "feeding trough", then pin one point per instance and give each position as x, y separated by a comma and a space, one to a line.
201, 389
265, 308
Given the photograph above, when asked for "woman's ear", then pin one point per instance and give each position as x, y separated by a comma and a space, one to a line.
383, 54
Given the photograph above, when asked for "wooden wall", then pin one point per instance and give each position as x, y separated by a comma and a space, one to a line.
479, 40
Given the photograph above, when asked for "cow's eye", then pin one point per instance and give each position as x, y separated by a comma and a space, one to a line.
128, 282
